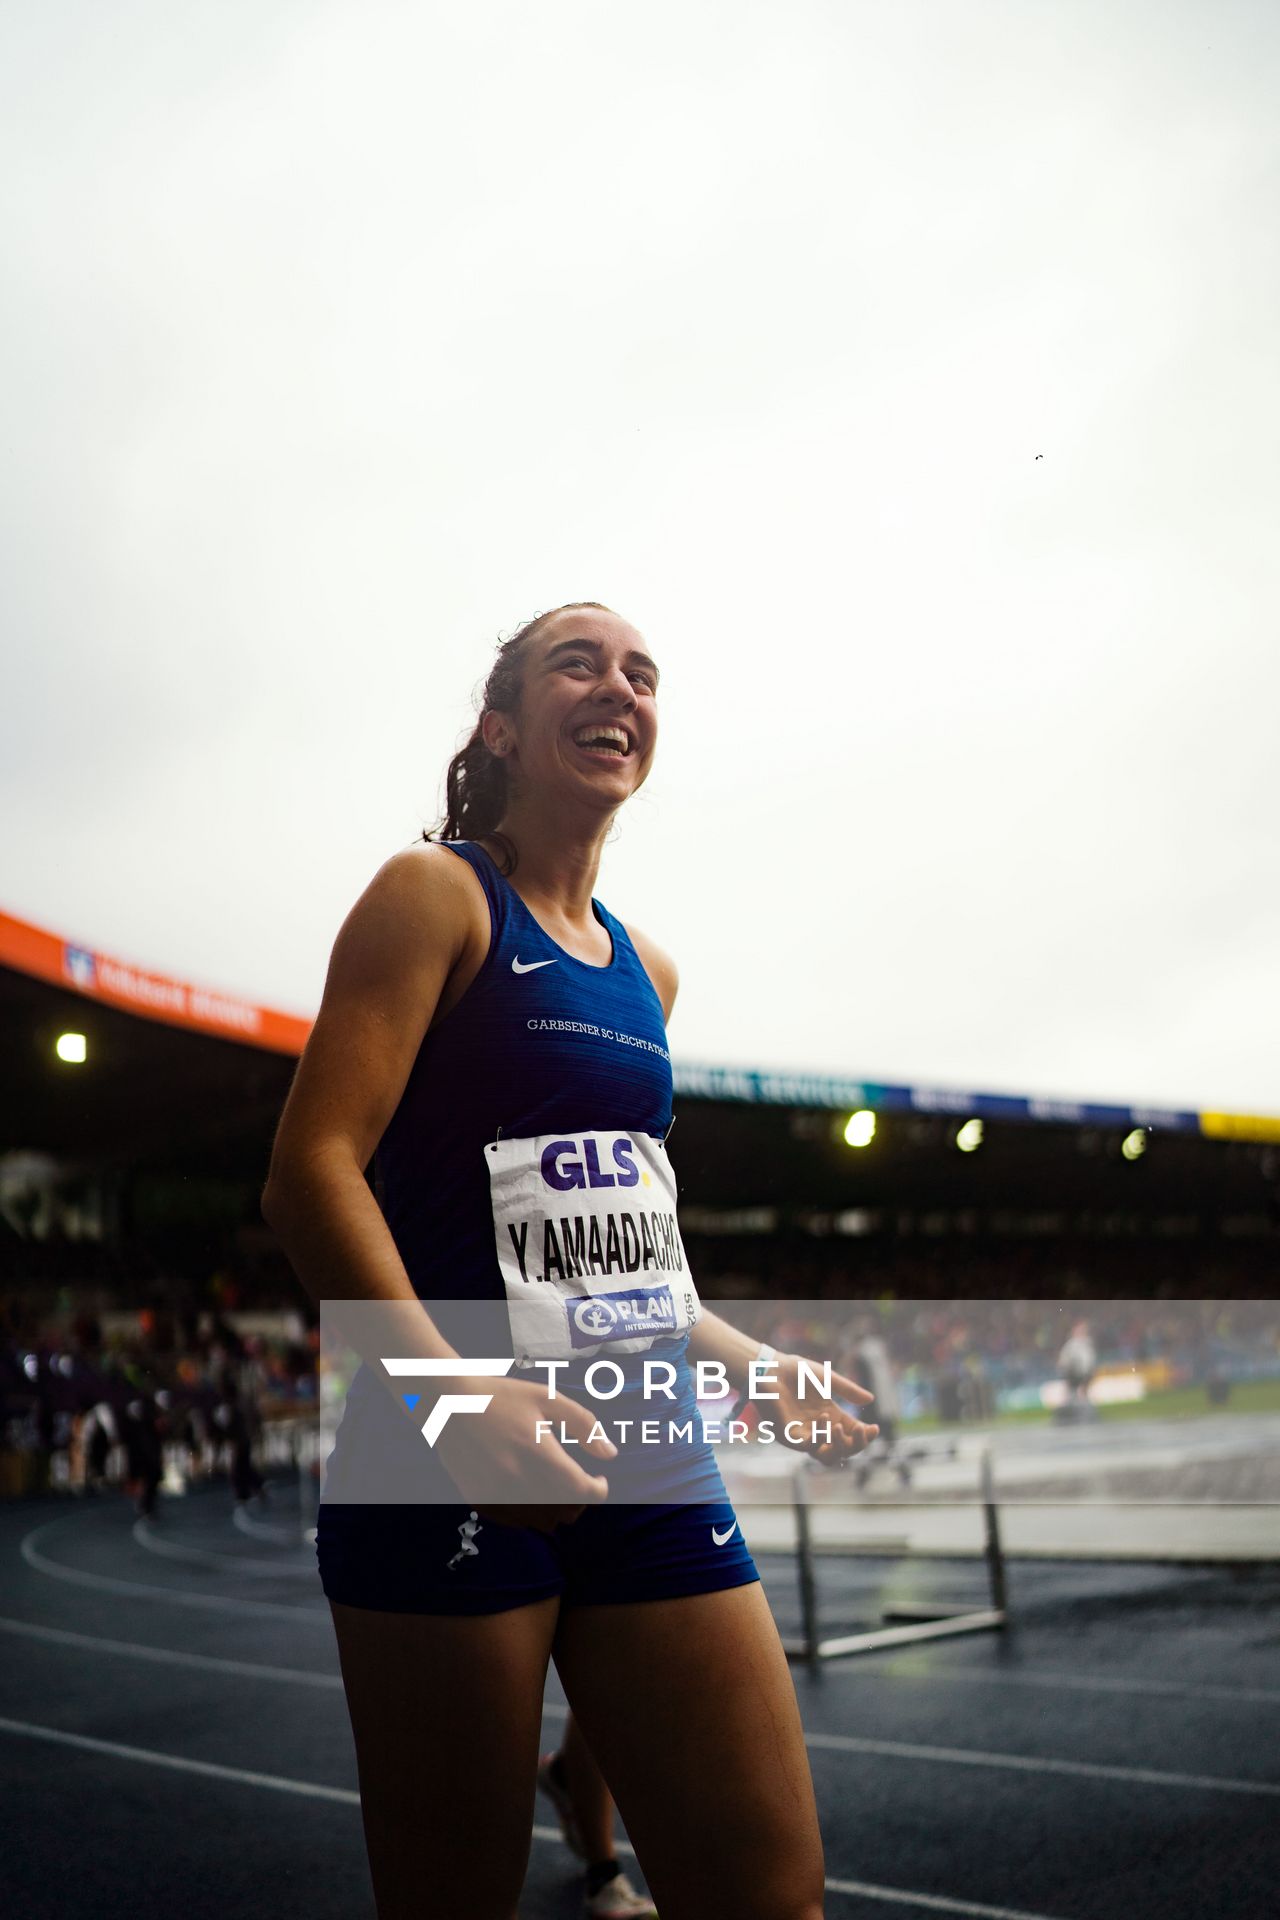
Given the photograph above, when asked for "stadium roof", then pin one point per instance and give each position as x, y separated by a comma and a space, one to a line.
89, 984
168, 1092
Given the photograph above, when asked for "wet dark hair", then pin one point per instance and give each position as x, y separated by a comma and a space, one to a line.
475, 784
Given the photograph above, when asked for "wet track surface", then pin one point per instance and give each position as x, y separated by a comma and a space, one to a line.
174, 1738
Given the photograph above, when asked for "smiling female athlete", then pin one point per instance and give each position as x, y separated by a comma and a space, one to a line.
487, 1024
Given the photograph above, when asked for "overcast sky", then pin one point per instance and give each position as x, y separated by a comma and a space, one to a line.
907, 373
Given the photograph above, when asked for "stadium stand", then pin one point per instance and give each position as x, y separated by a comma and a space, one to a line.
134, 1262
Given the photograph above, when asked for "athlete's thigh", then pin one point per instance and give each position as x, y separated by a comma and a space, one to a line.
446, 1712
690, 1709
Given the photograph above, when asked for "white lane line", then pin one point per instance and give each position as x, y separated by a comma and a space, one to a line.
176, 1763
100, 1583
165, 1656
1013, 1762
146, 1536
347, 1797
834, 1742
262, 1530
1022, 1763
933, 1902
1069, 1682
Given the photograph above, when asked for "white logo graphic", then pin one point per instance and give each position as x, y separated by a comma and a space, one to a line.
594, 1317
80, 966
468, 1530
728, 1534
434, 1424
529, 966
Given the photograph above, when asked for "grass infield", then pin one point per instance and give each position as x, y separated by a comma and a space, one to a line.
1175, 1403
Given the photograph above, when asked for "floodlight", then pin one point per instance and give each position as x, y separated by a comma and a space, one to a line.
72, 1047
969, 1138
860, 1128
1134, 1144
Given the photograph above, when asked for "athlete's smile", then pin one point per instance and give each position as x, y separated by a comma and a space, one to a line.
604, 740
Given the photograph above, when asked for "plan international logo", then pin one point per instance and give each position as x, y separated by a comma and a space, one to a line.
597, 1317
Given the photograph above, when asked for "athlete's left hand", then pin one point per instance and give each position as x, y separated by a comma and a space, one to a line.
849, 1435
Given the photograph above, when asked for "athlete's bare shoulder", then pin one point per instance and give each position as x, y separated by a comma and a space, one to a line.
659, 966
397, 955
418, 910
430, 873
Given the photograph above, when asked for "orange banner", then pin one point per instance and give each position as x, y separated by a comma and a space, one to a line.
99, 976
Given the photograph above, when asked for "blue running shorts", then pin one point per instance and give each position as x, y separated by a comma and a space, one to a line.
450, 1560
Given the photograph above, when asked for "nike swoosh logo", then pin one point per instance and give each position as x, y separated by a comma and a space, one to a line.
529, 966
720, 1538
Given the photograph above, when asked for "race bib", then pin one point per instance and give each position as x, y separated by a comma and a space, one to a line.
587, 1240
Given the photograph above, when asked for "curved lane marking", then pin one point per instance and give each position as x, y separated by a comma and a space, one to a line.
144, 1532
347, 1797
136, 1589
262, 1530
170, 1657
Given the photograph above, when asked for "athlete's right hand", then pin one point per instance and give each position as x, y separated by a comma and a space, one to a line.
509, 1461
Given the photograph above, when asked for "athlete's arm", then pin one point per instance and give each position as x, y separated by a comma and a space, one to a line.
389, 966
390, 963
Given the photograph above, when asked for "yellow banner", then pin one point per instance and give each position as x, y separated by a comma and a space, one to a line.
1240, 1126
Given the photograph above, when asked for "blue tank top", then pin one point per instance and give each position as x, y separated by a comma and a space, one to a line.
539, 1043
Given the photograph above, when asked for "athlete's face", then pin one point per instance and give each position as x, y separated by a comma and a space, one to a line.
588, 715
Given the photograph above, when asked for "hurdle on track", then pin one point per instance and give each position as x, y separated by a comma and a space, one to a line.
906, 1625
